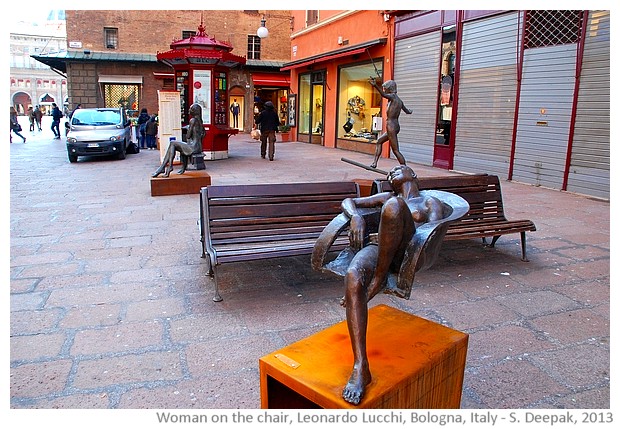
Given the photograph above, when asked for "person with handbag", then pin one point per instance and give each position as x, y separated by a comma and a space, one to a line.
15, 127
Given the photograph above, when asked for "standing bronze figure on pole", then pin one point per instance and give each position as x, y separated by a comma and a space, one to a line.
392, 127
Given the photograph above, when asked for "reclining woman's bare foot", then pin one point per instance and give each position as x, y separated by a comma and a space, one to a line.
356, 386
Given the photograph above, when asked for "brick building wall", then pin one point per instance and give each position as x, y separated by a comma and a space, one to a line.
83, 87
150, 31
82, 84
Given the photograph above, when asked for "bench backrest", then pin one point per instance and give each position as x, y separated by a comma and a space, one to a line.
482, 192
238, 211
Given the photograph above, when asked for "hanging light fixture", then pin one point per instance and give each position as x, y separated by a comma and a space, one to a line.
262, 31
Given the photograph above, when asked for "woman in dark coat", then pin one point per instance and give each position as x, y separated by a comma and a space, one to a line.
15, 127
143, 118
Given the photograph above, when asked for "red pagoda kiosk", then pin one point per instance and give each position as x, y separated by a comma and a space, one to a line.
201, 65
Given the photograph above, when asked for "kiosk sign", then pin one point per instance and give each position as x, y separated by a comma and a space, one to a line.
202, 93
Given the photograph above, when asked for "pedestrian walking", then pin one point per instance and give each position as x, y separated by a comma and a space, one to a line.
15, 127
143, 118
267, 122
151, 133
31, 118
56, 117
38, 116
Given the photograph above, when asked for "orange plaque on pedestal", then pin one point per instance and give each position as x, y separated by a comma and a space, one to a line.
415, 363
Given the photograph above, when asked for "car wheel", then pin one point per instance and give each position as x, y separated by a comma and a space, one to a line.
123, 153
72, 158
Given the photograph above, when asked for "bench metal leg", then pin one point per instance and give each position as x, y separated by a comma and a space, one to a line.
202, 240
523, 254
523, 246
201, 229
212, 272
217, 297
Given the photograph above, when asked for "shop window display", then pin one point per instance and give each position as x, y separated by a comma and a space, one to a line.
311, 96
446, 87
304, 108
358, 102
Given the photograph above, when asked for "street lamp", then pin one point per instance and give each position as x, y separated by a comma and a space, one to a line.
262, 31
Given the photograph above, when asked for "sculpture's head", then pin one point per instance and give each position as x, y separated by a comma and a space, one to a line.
389, 86
402, 171
195, 110
401, 174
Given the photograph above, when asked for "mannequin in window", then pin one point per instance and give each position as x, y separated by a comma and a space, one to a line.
234, 109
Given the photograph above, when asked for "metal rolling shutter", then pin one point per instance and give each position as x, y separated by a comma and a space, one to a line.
542, 138
590, 163
416, 64
487, 91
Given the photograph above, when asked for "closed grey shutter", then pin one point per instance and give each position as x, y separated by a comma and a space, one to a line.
590, 160
544, 115
416, 68
486, 97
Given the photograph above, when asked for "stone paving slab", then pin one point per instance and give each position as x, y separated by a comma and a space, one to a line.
110, 305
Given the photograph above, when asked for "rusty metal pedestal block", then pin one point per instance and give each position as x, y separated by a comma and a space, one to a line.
415, 363
189, 182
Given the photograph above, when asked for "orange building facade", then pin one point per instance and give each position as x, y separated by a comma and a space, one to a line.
333, 56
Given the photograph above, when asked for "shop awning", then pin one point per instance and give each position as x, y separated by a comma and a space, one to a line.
326, 56
160, 75
116, 78
270, 79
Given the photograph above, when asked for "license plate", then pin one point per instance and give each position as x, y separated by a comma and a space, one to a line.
93, 144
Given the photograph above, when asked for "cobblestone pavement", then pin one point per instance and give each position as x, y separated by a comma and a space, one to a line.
110, 305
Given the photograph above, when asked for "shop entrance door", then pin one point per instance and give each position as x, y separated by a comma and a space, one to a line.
311, 118
444, 135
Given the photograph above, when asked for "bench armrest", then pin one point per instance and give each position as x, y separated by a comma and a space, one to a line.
326, 239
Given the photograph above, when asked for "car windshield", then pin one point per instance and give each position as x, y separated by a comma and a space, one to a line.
95, 117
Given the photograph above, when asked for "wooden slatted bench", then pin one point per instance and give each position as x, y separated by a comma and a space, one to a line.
486, 216
249, 222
